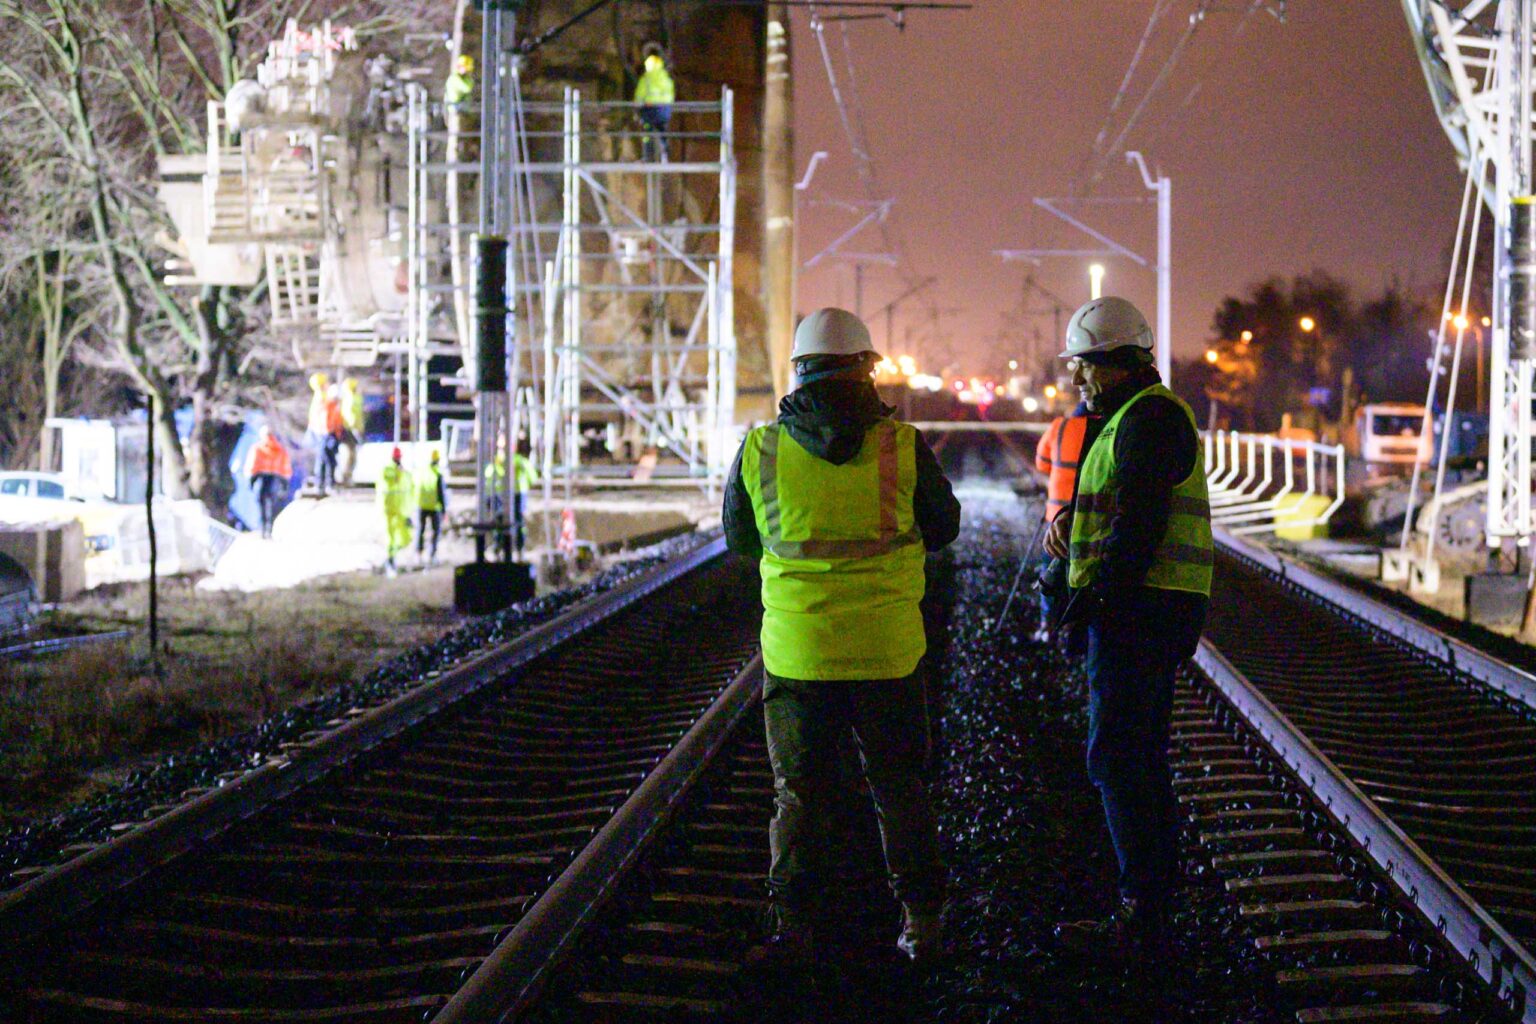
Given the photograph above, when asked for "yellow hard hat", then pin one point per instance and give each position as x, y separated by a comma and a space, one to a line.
350, 383
318, 381
654, 62
436, 456
465, 64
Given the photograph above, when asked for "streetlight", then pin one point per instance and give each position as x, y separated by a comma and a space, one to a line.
1211, 356
1095, 280
1247, 336
1307, 324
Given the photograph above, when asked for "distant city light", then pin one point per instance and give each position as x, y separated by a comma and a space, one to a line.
925, 382
908, 365
1031, 404
1050, 391
1487, 322
1461, 323
1306, 323
1095, 280
1211, 356
1013, 364
1247, 335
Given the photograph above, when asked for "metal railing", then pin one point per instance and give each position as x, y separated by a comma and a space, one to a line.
1260, 483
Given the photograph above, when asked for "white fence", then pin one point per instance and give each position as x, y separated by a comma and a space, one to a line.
1260, 482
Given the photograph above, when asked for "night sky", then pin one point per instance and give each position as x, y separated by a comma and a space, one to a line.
1291, 146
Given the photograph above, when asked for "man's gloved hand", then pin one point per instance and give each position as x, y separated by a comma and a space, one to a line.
1058, 539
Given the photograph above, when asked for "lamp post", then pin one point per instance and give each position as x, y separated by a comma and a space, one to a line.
1095, 280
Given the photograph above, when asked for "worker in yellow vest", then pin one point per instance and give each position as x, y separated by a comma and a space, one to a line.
431, 503
1138, 544
655, 93
394, 494
840, 502
460, 85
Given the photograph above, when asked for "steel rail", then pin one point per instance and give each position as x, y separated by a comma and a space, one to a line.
1458, 655
510, 978
1497, 957
77, 883
62, 643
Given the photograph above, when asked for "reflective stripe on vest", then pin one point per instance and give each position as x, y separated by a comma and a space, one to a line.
1185, 557
891, 537
1066, 458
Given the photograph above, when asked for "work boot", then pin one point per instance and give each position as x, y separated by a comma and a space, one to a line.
922, 934
1137, 933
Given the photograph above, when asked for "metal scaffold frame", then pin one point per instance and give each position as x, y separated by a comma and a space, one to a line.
1477, 58
645, 381
593, 236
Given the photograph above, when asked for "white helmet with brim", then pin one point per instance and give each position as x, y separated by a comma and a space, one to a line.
831, 332
1106, 324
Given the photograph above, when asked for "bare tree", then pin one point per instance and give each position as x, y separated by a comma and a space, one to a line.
95, 91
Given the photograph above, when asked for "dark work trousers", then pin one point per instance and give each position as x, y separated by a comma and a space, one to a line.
424, 517
889, 720
270, 490
1134, 647
655, 117
518, 537
325, 462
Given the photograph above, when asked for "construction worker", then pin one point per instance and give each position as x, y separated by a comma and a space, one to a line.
317, 430
1057, 457
524, 475
460, 85
655, 92
839, 502
1138, 543
353, 424
431, 502
393, 492
269, 469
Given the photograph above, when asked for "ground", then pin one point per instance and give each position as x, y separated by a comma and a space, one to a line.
76, 723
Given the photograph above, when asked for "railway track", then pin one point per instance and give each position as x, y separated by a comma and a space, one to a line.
1424, 748
1356, 922
575, 831
370, 874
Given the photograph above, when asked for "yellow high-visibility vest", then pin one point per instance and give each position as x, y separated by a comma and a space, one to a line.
842, 564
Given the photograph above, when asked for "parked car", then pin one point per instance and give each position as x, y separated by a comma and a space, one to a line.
31, 484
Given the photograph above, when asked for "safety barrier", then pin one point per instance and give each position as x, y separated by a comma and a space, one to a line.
1261, 483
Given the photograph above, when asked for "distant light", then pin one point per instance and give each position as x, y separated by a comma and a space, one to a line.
1461, 323
1306, 323
1247, 335
1487, 322
1013, 364
1050, 391
959, 385
908, 365
925, 382
1211, 356
1031, 405
1095, 280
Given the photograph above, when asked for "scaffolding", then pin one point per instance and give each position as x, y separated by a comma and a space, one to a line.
621, 347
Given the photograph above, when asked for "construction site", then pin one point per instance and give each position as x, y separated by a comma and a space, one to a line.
418, 456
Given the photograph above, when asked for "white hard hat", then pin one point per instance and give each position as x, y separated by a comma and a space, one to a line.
1106, 324
831, 332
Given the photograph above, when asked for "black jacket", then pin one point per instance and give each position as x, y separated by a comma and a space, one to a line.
1155, 449
829, 418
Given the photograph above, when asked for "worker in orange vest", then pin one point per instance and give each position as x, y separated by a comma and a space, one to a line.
1057, 456
269, 468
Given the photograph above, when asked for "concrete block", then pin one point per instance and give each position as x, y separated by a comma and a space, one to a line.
53, 554
1495, 599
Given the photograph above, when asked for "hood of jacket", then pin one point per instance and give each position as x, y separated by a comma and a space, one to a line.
829, 418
